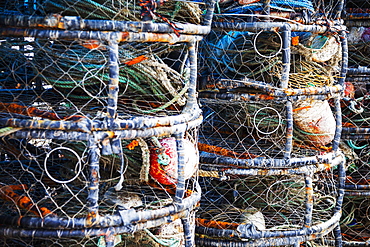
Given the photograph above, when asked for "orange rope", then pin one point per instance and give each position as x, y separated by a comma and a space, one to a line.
224, 152
7, 193
216, 224
33, 112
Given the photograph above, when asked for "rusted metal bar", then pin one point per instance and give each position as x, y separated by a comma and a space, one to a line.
209, 12
307, 169
92, 217
338, 123
278, 92
189, 230
246, 232
113, 86
158, 131
262, 162
140, 124
357, 23
365, 79
308, 202
338, 242
52, 134
344, 65
74, 134
44, 232
98, 35
120, 218
193, 63
337, 13
56, 21
257, 26
263, 97
353, 136
355, 131
286, 40
83, 124
355, 243
288, 130
357, 186
358, 71
180, 185
278, 241
357, 193
76, 23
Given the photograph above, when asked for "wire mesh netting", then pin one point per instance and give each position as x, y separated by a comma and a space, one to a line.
248, 167
269, 91
254, 207
356, 115
264, 96
99, 128
306, 11
230, 127
257, 56
49, 179
72, 77
252, 130
355, 132
168, 11
354, 222
355, 102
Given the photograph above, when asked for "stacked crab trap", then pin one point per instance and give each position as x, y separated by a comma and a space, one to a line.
271, 77
99, 121
356, 126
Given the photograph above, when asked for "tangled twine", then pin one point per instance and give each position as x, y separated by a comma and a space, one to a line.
147, 85
280, 201
240, 55
121, 10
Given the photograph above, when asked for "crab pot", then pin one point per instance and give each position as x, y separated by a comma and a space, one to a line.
272, 55
269, 207
305, 12
69, 79
269, 89
260, 143
99, 121
356, 129
250, 142
273, 96
355, 103
271, 110
356, 15
354, 221
70, 185
264, 134
190, 17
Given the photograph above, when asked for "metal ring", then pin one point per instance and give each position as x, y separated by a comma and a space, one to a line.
256, 125
78, 164
271, 56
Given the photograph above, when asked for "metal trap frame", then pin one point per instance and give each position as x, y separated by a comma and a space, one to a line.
232, 96
76, 150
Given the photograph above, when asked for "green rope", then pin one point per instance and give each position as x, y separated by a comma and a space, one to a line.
169, 243
7, 131
353, 146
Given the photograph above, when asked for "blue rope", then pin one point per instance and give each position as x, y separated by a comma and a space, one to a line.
289, 6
